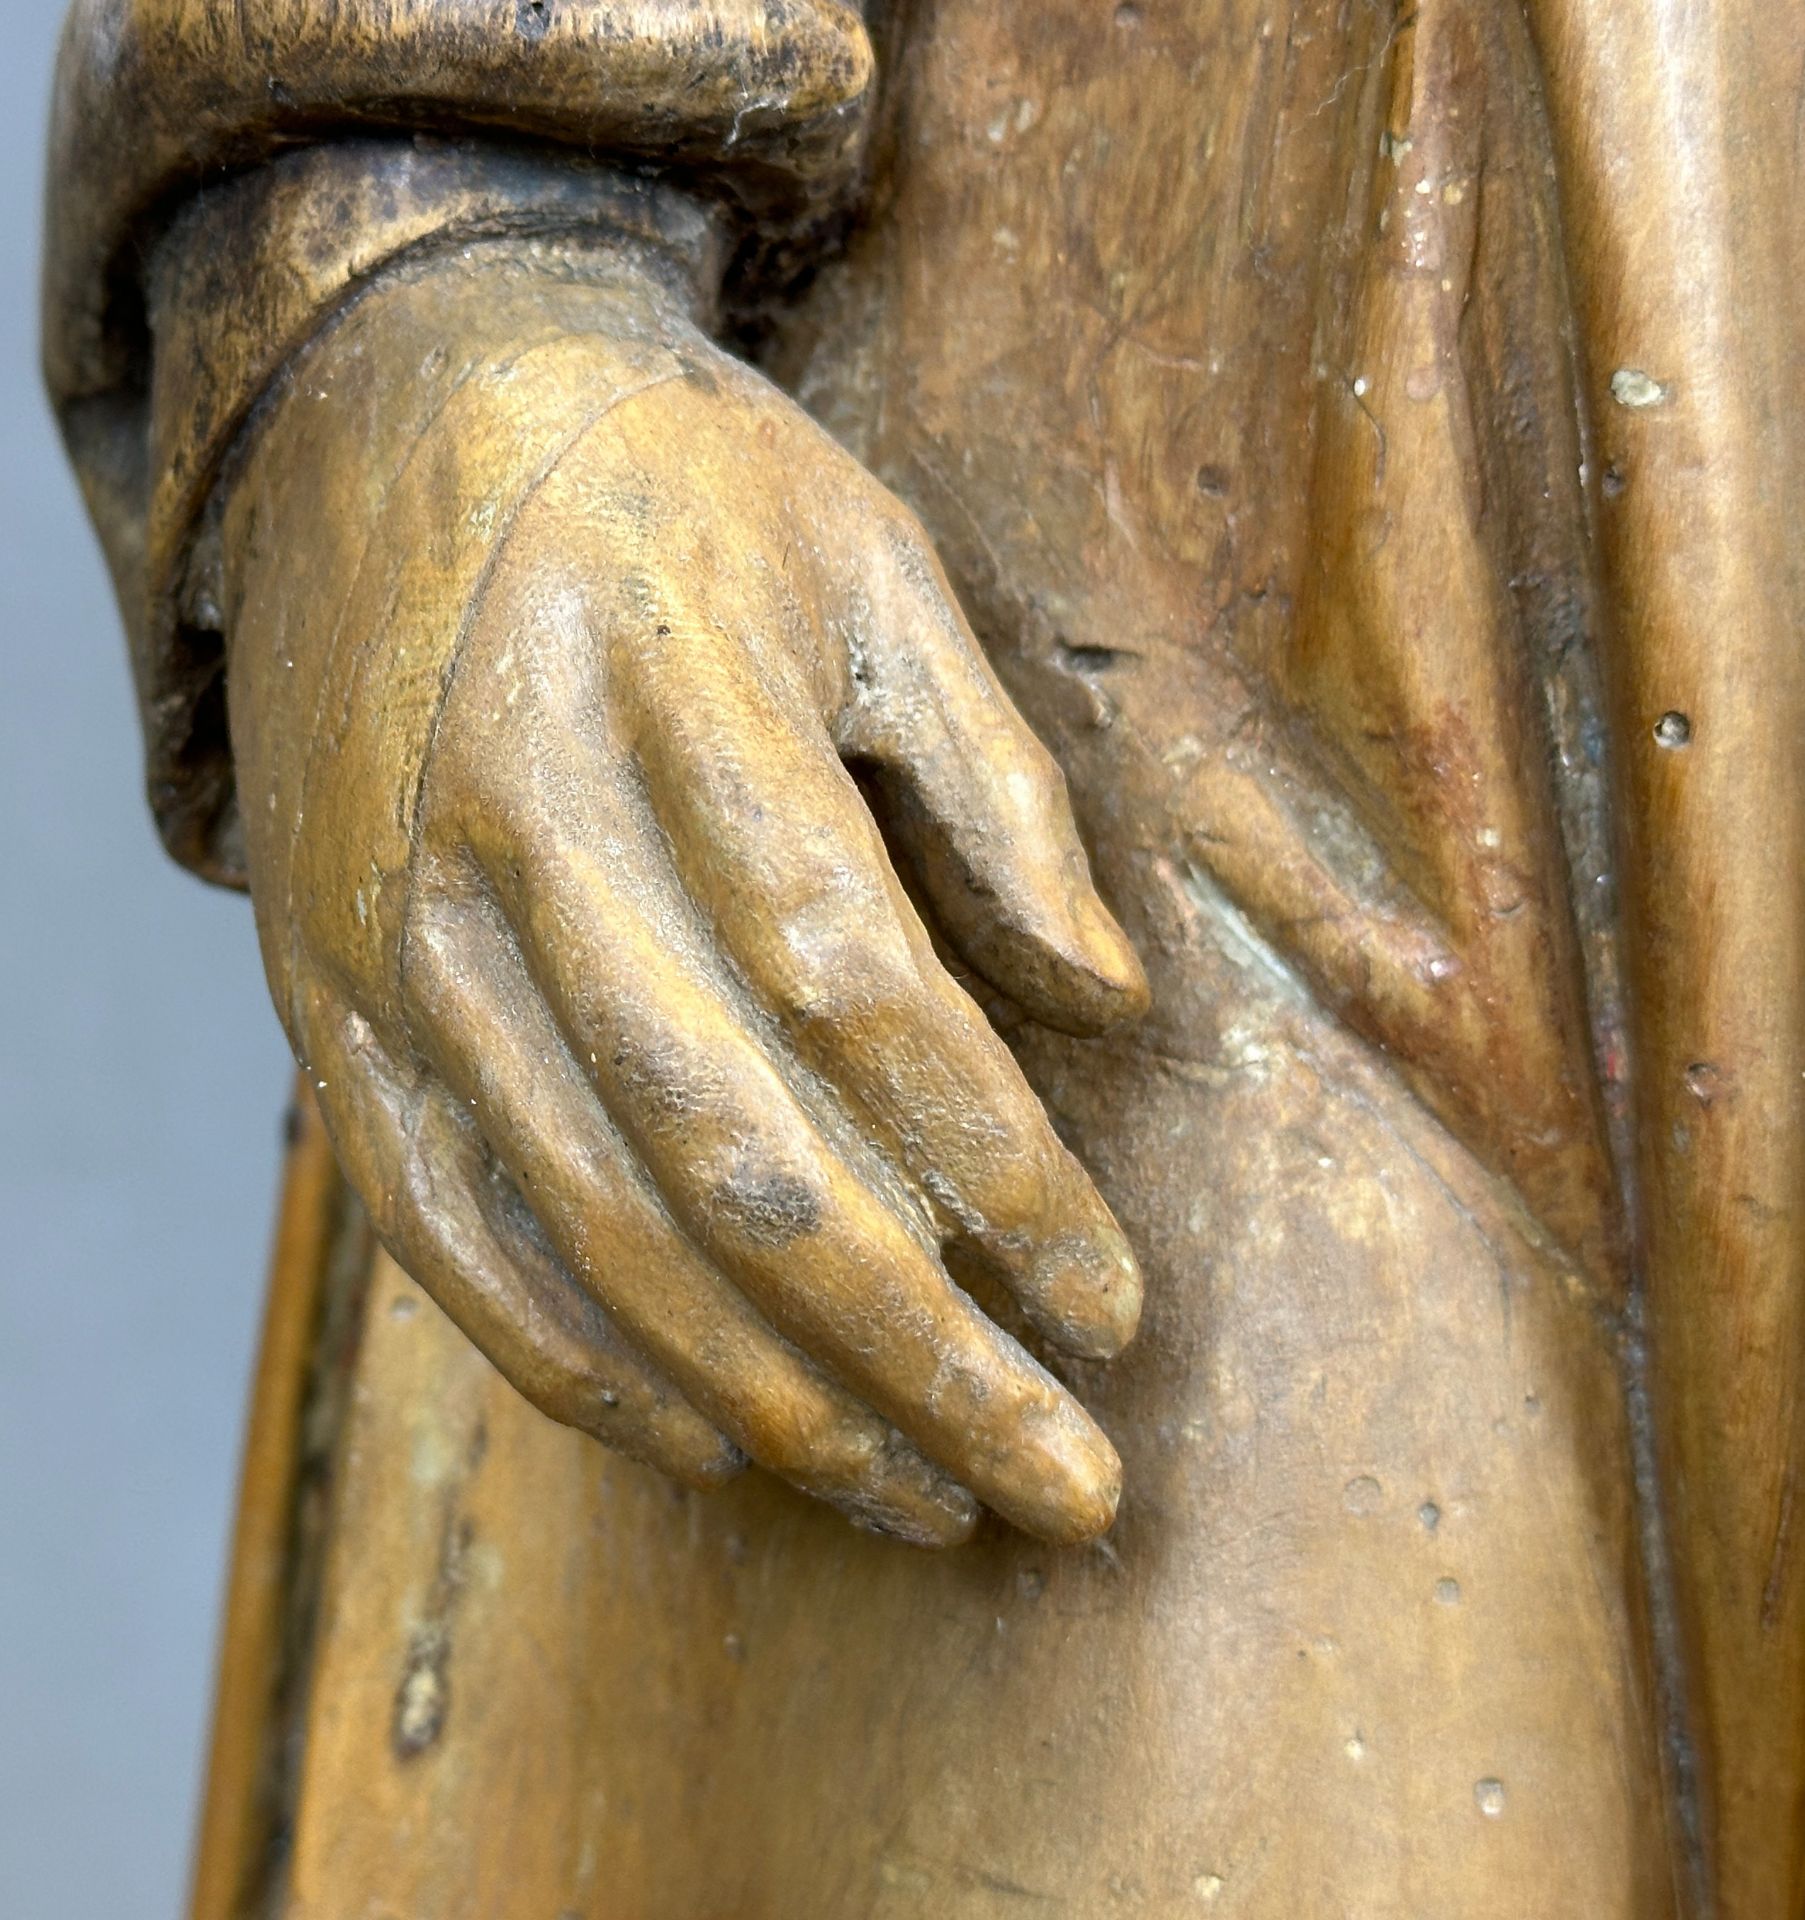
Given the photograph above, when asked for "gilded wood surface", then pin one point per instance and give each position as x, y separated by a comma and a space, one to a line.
1361, 441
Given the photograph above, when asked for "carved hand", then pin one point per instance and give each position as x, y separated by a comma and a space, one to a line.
550, 648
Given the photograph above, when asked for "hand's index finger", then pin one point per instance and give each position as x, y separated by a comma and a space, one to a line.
981, 803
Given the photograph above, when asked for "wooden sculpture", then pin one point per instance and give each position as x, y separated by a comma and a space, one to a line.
683, 549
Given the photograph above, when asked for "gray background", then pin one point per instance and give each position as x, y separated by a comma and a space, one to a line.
141, 1081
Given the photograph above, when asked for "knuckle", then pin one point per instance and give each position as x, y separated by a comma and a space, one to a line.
798, 1438
767, 1207
830, 976
427, 962
463, 784
910, 540
1041, 776
515, 800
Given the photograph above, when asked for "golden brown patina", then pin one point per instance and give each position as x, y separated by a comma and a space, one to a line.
1361, 440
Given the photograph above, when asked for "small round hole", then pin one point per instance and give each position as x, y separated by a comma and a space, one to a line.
1673, 729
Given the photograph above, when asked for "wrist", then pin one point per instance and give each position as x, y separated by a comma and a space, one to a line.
353, 528
253, 273
249, 273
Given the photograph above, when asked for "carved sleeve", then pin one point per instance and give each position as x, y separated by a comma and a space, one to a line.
389, 124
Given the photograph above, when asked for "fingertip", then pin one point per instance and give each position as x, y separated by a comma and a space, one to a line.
1104, 985
1084, 1292
686, 1449
1072, 1484
1080, 975
1120, 987
1094, 1495
1020, 907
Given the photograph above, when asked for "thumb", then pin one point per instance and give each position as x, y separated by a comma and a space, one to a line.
980, 804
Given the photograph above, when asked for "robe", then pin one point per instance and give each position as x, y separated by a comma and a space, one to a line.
1361, 437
